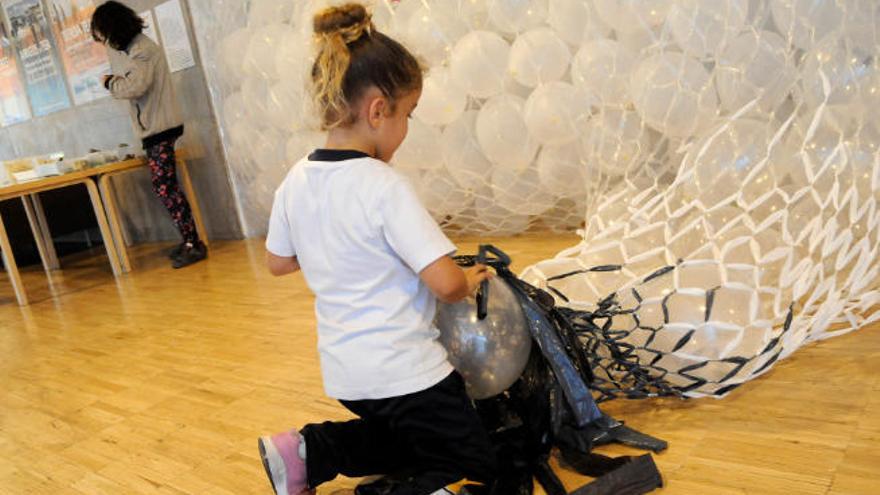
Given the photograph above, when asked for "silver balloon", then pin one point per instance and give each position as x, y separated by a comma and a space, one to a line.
490, 354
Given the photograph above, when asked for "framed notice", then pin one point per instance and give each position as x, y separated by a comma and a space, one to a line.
13, 101
85, 62
30, 32
175, 39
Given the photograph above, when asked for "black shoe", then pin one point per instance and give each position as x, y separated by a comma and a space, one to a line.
176, 251
190, 254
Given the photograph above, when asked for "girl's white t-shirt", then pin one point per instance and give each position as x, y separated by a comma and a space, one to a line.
361, 237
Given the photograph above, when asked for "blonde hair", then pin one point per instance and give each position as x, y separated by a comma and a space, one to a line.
352, 57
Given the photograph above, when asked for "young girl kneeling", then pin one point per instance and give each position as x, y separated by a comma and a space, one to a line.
377, 263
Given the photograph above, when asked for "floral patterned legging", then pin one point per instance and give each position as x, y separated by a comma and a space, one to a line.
163, 168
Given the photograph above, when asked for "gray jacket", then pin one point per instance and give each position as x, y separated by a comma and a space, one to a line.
141, 75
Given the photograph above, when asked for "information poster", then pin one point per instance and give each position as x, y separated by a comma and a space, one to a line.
172, 28
13, 102
30, 32
85, 61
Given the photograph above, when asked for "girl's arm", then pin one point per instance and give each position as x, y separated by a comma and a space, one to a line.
281, 265
449, 282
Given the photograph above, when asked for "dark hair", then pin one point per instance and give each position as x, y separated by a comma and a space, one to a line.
353, 56
116, 23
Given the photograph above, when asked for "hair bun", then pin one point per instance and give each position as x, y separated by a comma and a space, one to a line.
348, 17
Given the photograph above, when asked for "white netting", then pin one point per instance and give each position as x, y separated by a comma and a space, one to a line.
736, 140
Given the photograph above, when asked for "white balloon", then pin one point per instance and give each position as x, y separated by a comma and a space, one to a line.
754, 65
723, 163
268, 148
400, 20
255, 91
495, 219
479, 63
806, 22
242, 136
503, 134
862, 24
604, 66
293, 58
433, 30
260, 56
642, 41
234, 110
514, 16
561, 171
555, 112
474, 13
615, 141
442, 100
263, 12
520, 191
538, 56
853, 77
284, 105
864, 155
233, 49
632, 15
421, 148
673, 93
576, 21
700, 27
443, 196
462, 154
513, 87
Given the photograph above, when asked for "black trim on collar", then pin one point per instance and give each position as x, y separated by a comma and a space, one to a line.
325, 155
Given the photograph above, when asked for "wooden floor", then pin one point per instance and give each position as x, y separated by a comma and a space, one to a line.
159, 383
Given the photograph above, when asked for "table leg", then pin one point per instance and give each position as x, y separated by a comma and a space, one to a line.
11, 267
42, 237
106, 190
185, 181
44, 228
39, 240
101, 215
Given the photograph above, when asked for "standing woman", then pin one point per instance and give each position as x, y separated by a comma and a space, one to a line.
141, 75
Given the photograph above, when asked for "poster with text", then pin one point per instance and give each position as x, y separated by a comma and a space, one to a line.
44, 81
85, 61
13, 102
175, 39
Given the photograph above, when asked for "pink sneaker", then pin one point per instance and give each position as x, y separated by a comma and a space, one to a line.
286, 470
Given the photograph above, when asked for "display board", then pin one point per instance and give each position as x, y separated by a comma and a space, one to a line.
85, 61
13, 102
31, 35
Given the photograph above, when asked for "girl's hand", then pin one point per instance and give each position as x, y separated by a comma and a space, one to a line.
449, 282
475, 275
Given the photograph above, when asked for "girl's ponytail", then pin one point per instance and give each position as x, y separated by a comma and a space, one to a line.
335, 28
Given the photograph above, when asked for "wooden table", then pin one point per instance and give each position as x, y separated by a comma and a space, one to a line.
26, 191
97, 182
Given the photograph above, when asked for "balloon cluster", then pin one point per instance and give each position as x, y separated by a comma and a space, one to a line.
525, 105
